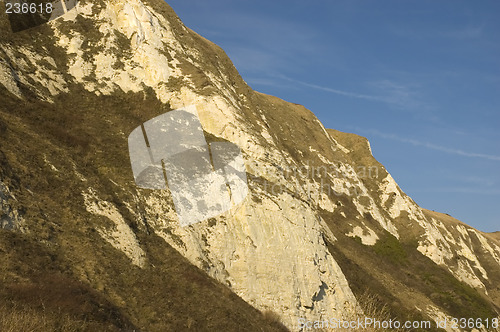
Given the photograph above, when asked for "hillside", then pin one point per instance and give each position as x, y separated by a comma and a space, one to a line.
84, 248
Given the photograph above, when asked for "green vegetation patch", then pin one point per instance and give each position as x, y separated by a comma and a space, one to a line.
390, 248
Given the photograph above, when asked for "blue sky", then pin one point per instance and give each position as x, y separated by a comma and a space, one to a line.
419, 79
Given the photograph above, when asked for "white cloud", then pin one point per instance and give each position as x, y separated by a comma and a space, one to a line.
431, 146
336, 91
468, 32
392, 93
462, 190
486, 182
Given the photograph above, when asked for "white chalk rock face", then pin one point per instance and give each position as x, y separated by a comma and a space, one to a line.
204, 179
9, 216
269, 246
271, 253
119, 235
103, 72
8, 79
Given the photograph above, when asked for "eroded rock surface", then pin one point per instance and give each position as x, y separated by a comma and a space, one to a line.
312, 192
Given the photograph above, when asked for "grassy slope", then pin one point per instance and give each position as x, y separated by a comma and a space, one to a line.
169, 294
84, 132
395, 271
495, 235
493, 282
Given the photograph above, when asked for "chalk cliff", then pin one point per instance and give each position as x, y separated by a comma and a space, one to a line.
323, 222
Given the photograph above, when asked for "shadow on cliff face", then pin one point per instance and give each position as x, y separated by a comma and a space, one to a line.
35, 295
61, 272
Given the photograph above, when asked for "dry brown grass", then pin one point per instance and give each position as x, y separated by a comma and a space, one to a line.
372, 307
273, 319
24, 319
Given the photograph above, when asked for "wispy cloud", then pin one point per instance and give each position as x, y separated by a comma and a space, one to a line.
464, 190
258, 82
485, 182
429, 145
335, 91
403, 95
392, 93
462, 33
259, 43
468, 32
